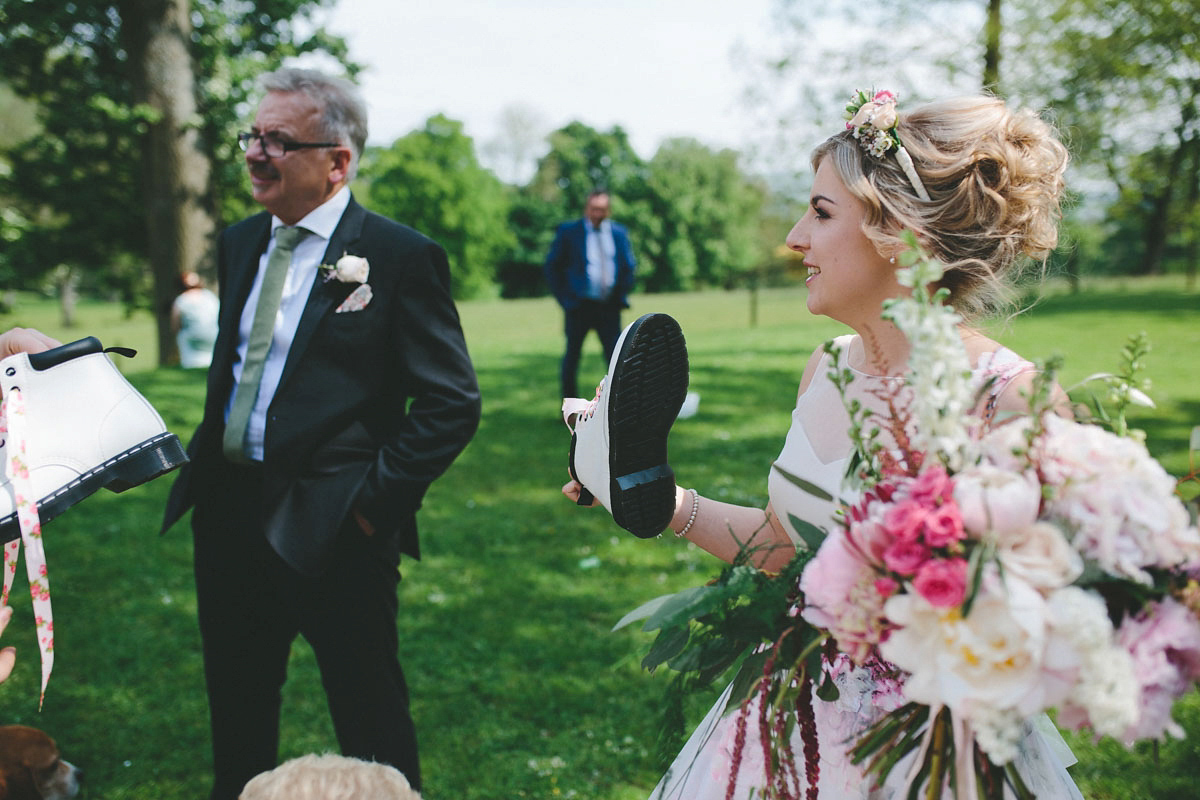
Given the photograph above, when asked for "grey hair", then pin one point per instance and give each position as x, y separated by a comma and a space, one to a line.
995, 177
343, 111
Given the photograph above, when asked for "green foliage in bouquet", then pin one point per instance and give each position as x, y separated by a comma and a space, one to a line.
745, 618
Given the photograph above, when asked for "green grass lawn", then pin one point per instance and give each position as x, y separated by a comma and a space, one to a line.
520, 688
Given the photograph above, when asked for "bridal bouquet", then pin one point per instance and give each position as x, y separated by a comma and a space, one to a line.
983, 574
1039, 564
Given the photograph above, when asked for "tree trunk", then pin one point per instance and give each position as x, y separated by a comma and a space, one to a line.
1193, 206
991, 52
67, 280
175, 170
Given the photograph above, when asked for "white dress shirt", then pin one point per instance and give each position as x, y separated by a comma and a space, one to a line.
601, 259
320, 223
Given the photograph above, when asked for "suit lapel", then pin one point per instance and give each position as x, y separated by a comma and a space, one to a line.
244, 253
323, 296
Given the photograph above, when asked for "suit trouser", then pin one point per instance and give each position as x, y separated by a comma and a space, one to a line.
603, 317
252, 605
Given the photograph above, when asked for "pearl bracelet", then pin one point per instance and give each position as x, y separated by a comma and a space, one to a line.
692, 519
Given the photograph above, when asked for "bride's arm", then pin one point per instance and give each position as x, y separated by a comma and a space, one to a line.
725, 530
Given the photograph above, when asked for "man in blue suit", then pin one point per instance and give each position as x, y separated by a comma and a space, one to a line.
590, 272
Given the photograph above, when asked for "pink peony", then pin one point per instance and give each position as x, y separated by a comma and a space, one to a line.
998, 500
840, 596
905, 558
1164, 641
942, 582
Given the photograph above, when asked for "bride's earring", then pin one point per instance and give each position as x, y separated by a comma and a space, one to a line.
892, 260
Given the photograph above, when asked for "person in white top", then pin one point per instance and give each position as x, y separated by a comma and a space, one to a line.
194, 320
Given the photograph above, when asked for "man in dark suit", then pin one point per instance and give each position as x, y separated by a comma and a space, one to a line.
590, 272
335, 397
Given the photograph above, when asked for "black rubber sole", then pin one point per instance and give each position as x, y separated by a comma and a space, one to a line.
135, 466
649, 384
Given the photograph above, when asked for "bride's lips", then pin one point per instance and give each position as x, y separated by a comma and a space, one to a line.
813, 271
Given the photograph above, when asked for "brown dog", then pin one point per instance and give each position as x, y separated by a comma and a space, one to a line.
31, 767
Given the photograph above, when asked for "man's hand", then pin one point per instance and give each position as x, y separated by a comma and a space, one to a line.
25, 340
9, 654
364, 523
572, 489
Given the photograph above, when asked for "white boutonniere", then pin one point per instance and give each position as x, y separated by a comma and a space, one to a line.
348, 269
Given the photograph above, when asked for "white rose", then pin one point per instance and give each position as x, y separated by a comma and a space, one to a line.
352, 269
1041, 555
992, 657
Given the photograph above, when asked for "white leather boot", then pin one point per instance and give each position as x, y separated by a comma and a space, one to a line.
86, 427
619, 447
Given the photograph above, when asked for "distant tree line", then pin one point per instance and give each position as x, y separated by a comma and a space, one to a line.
695, 216
118, 160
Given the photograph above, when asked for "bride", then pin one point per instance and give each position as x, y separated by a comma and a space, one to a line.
980, 184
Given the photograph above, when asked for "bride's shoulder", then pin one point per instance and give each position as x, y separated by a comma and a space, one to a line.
818, 357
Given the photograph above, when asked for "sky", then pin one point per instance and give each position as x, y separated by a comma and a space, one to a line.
658, 68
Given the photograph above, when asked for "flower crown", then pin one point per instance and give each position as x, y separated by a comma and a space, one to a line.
873, 119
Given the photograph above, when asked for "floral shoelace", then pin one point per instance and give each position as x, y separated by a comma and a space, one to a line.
12, 428
576, 409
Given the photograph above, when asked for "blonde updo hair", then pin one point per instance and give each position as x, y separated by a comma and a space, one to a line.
995, 181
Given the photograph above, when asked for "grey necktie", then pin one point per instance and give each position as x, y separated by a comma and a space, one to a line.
261, 332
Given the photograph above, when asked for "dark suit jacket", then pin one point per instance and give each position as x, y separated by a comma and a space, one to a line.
372, 405
566, 264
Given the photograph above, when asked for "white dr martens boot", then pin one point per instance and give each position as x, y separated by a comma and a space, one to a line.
619, 446
85, 428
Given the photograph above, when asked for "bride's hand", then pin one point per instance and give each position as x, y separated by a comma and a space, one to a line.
572, 488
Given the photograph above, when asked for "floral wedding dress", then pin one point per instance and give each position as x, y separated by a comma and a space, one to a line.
818, 448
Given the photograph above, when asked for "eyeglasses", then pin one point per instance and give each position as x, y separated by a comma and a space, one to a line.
274, 146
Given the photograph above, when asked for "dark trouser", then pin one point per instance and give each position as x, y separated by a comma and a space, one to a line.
590, 315
252, 605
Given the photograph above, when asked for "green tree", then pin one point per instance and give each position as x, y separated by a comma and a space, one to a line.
1124, 79
704, 223
581, 159
120, 169
432, 181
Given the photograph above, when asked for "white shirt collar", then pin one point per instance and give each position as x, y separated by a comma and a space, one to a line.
323, 219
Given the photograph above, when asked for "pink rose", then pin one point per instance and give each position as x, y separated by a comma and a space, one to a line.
932, 486
886, 586
905, 520
905, 558
942, 582
943, 526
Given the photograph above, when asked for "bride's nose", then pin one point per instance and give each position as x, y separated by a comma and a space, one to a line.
797, 238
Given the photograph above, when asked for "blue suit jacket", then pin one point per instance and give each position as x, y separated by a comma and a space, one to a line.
566, 264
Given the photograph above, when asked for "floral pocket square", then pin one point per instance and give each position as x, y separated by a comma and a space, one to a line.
357, 301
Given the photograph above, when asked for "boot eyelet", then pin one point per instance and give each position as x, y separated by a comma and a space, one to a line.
10, 371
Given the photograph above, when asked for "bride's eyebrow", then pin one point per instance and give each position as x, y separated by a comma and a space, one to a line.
820, 198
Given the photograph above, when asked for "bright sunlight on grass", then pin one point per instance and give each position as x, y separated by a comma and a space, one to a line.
520, 688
